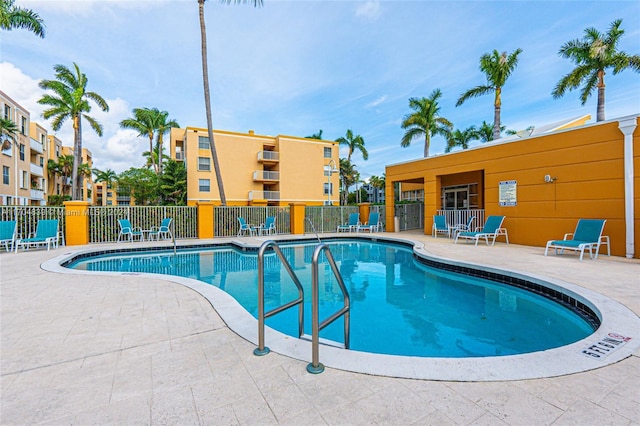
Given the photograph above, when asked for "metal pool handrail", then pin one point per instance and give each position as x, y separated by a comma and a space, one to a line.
315, 366
262, 315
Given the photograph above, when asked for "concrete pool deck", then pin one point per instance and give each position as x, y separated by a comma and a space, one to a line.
82, 349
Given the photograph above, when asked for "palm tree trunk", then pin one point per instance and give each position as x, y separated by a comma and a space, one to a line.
600, 114
427, 142
496, 122
77, 158
207, 101
153, 163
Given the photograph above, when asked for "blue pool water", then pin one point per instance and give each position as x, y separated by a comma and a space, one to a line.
399, 305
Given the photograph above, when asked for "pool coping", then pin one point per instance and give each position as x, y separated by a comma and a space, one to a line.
615, 318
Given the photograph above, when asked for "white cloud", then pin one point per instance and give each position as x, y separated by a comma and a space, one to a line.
22, 89
369, 10
377, 102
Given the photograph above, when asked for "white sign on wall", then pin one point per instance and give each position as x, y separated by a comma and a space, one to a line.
508, 193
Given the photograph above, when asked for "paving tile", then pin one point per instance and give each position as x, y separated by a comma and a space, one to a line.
587, 413
395, 404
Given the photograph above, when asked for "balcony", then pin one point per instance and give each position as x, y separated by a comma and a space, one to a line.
265, 176
268, 156
36, 170
36, 146
37, 194
264, 195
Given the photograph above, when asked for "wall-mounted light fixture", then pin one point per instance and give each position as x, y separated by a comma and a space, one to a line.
549, 179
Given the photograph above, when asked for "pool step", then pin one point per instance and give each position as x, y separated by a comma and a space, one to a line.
322, 341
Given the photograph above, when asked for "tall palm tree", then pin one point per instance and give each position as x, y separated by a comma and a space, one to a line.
63, 168
354, 143
425, 121
347, 176
12, 16
461, 138
497, 68
70, 100
207, 96
143, 122
592, 55
163, 126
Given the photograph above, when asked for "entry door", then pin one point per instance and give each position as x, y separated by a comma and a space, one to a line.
456, 198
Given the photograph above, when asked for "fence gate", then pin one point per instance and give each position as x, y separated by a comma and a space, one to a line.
411, 216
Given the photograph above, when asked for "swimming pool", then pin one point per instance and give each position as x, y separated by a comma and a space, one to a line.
399, 304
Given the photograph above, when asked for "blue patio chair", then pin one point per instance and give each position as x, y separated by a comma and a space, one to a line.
492, 228
244, 227
8, 231
440, 226
46, 235
268, 226
352, 225
163, 231
372, 224
126, 230
463, 226
588, 235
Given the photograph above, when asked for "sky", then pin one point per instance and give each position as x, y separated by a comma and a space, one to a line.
295, 67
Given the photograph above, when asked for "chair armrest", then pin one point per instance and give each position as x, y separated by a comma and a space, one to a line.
566, 236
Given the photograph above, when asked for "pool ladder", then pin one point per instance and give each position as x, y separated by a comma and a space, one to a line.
315, 367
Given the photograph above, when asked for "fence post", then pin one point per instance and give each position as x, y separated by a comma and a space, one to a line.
205, 219
364, 210
76, 222
296, 217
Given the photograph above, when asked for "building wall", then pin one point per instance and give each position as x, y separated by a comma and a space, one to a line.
300, 167
15, 191
586, 162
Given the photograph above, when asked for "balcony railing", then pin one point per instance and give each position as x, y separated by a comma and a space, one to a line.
36, 146
268, 156
179, 156
264, 195
37, 194
262, 175
37, 170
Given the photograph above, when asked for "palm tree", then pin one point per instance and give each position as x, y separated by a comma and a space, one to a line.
592, 55
12, 16
497, 68
8, 132
143, 121
315, 135
70, 100
173, 184
461, 138
108, 176
63, 168
163, 126
425, 121
355, 143
347, 176
207, 97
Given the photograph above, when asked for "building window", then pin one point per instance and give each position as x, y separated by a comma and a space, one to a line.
43, 140
5, 175
203, 142
327, 152
7, 112
58, 188
57, 151
24, 178
23, 127
41, 161
328, 189
21, 152
204, 185
204, 164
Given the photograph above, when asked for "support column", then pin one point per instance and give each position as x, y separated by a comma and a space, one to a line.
205, 219
296, 217
76, 223
627, 127
364, 210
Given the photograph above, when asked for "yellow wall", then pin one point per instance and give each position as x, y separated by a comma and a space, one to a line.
587, 163
300, 165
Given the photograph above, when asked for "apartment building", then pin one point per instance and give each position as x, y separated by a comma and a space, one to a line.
112, 194
26, 179
22, 159
258, 169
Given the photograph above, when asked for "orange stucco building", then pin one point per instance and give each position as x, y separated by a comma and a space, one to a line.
589, 171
